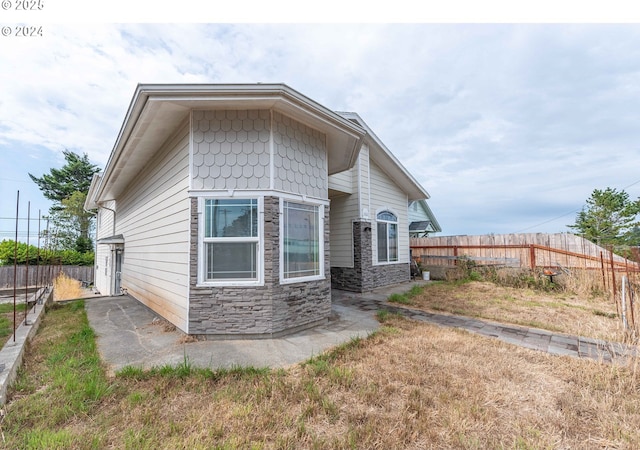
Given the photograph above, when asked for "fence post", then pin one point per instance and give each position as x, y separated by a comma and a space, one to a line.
613, 274
623, 303
604, 279
532, 253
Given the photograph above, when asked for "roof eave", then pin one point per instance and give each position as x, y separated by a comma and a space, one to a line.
150, 100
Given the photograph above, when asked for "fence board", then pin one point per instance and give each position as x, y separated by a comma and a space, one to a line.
40, 275
531, 250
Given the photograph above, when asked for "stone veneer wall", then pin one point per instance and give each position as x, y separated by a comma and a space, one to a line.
364, 276
257, 311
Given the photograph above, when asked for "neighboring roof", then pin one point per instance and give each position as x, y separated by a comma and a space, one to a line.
429, 215
422, 225
383, 157
158, 110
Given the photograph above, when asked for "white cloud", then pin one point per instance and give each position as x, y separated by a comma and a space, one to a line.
487, 117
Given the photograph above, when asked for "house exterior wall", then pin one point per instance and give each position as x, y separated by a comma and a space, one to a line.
342, 182
258, 311
257, 150
103, 270
376, 192
231, 149
266, 155
346, 209
299, 158
386, 195
153, 216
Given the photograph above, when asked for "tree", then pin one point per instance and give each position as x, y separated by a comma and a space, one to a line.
609, 217
67, 188
74, 176
73, 224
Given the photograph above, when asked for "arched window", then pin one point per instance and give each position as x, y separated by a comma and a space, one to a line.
387, 236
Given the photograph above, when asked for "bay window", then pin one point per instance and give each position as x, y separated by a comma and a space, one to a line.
230, 240
302, 245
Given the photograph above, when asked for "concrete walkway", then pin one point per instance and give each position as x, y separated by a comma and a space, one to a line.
130, 334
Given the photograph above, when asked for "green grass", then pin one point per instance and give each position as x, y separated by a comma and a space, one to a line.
399, 298
186, 369
407, 297
73, 379
6, 318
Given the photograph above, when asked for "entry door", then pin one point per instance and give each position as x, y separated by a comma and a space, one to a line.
117, 272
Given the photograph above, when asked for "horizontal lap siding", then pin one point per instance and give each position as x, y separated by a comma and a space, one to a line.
341, 181
344, 210
386, 194
103, 251
153, 216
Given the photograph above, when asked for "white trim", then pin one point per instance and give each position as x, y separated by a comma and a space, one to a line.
272, 149
321, 226
239, 193
190, 170
376, 261
201, 282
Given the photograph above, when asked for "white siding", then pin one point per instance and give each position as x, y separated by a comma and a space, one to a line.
386, 195
345, 209
104, 228
341, 230
153, 215
342, 181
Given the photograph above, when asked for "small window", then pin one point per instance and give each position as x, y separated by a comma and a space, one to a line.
231, 239
301, 241
387, 227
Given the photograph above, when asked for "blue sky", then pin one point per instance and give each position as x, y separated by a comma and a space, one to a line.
509, 127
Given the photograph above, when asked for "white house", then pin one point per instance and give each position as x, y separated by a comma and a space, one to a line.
422, 221
230, 209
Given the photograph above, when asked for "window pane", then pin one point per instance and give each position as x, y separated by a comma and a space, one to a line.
382, 242
393, 241
386, 215
301, 240
231, 218
231, 260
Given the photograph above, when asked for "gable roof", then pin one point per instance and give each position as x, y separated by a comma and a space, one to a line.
429, 225
158, 110
387, 162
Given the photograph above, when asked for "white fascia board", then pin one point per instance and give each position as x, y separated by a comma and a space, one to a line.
131, 118
89, 202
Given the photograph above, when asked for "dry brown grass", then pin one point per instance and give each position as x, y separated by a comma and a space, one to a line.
412, 386
409, 386
566, 312
66, 288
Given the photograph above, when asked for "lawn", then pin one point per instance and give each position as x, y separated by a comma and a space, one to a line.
409, 385
560, 311
6, 319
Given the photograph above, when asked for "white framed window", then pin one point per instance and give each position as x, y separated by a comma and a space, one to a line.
301, 242
230, 234
387, 231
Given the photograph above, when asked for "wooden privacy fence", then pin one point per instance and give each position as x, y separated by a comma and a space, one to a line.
40, 275
529, 250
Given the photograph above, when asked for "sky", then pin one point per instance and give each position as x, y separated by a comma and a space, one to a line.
508, 124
